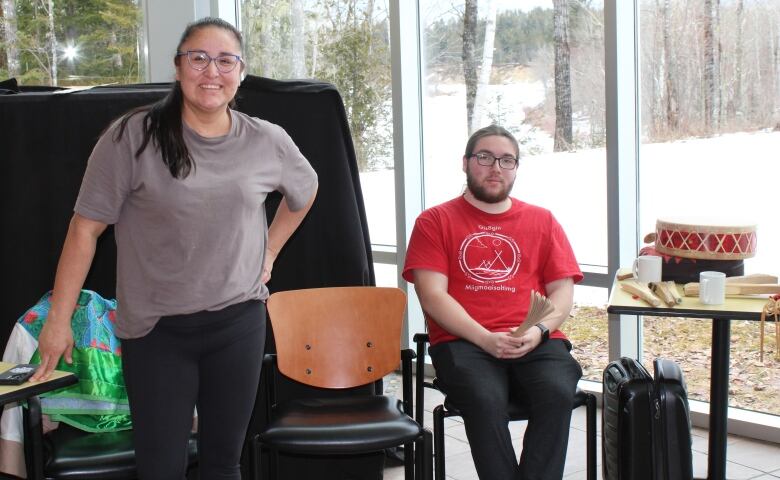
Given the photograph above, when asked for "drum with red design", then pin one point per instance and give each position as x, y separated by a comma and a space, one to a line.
706, 241
684, 270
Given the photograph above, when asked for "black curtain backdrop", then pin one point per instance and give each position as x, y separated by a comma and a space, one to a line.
46, 138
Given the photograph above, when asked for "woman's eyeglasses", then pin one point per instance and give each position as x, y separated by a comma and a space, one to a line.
201, 60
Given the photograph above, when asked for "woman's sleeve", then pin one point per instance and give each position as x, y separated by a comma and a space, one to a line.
298, 179
107, 180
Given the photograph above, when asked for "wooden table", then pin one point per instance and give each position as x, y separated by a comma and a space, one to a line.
29, 392
17, 393
735, 308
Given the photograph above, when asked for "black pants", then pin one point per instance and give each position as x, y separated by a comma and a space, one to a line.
208, 359
480, 386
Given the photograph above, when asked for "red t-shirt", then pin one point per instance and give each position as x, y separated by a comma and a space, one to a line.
492, 261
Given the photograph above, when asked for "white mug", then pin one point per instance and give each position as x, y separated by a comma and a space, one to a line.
647, 268
712, 288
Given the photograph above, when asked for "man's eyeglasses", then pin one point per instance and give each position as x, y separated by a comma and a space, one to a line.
506, 162
201, 60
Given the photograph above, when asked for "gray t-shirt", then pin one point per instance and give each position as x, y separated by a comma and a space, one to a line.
198, 243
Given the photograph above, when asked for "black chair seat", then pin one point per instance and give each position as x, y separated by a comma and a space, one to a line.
515, 409
339, 425
72, 453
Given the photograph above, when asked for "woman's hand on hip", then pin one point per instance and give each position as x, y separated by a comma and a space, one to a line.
268, 264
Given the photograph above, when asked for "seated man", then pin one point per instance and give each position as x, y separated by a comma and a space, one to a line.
474, 261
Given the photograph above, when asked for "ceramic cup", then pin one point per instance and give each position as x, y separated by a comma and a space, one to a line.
647, 268
712, 288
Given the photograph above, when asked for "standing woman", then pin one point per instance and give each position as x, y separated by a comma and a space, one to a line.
184, 182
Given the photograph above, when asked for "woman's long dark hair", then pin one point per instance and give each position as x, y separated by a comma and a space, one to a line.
162, 123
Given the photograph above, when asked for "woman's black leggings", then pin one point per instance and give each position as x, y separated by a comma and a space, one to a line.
211, 360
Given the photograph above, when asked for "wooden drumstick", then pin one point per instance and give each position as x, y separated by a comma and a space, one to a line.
625, 276
673, 290
752, 278
692, 289
661, 289
642, 291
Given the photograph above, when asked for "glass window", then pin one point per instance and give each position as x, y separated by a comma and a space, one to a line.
495, 62
536, 68
347, 44
71, 42
709, 137
386, 275
587, 329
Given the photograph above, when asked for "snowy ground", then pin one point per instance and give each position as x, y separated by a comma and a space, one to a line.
733, 177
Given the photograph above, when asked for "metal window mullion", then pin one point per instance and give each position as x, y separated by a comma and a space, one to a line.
621, 46
406, 70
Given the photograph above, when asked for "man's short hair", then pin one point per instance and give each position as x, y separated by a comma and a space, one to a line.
490, 131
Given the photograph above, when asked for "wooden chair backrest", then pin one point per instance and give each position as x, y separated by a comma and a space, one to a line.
338, 337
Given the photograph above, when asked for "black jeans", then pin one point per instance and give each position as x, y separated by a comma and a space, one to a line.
480, 385
208, 359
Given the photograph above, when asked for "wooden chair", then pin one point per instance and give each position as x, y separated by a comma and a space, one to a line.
517, 411
337, 339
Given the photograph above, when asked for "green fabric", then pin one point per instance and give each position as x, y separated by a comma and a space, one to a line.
101, 380
100, 376
95, 423
98, 403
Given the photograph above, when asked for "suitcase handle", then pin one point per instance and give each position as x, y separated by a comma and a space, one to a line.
613, 371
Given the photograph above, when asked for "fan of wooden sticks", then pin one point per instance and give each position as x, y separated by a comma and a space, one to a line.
539, 308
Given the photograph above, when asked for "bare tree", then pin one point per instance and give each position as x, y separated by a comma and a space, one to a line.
774, 68
709, 70
480, 99
51, 41
469, 61
297, 22
653, 68
9, 27
315, 45
737, 98
670, 89
718, 99
563, 112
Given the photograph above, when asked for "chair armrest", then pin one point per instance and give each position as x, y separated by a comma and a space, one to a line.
269, 373
269, 360
421, 339
407, 355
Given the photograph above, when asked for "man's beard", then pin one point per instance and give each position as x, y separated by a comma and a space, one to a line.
482, 194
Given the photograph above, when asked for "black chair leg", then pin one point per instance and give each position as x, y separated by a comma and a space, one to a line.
254, 459
427, 455
423, 455
438, 441
590, 432
410, 455
33, 444
273, 464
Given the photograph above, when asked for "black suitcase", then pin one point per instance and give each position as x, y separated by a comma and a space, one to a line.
646, 429
671, 423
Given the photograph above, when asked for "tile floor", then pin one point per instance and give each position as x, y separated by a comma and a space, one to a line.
747, 459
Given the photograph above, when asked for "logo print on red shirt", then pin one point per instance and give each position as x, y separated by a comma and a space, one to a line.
489, 257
